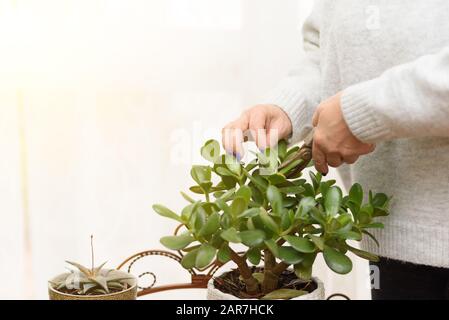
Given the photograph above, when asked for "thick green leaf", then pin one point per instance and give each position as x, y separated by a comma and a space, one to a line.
276, 179
231, 235
222, 171
245, 193
224, 253
165, 212
206, 253
332, 201
268, 221
238, 206
187, 197
254, 256
272, 246
319, 242
177, 242
292, 190
282, 149
364, 254
233, 165
284, 294
337, 261
304, 207
252, 238
300, 244
275, 198
356, 194
253, 212
211, 151
188, 261
211, 226
201, 174
290, 255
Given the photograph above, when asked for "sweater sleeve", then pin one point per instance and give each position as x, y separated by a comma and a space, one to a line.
298, 94
409, 100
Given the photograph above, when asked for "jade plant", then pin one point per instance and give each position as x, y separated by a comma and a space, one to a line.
265, 213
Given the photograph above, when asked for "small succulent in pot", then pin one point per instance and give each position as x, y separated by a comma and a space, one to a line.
95, 283
265, 214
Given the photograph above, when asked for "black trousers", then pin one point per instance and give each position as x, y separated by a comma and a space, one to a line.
406, 281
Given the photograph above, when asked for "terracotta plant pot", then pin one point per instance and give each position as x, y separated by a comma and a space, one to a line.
128, 294
215, 294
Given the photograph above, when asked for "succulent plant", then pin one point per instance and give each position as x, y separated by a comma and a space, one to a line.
85, 281
92, 281
279, 218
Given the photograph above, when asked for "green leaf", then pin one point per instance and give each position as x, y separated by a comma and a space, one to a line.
196, 189
238, 206
276, 178
295, 163
282, 149
290, 255
302, 272
300, 244
233, 165
245, 193
304, 207
268, 221
272, 246
211, 226
252, 238
284, 294
275, 198
177, 242
231, 235
337, 261
187, 197
332, 201
304, 269
319, 242
188, 261
254, 256
364, 254
253, 212
206, 253
222, 171
224, 253
211, 151
371, 236
165, 212
376, 225
292, 190
201, 174
356, 194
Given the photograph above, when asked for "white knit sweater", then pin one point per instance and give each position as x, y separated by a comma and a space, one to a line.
391, 58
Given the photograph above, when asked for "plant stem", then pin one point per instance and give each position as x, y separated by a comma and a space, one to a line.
92, 252
280, 267
270, 279
252, 285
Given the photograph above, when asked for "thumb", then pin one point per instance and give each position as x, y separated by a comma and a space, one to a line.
316, 116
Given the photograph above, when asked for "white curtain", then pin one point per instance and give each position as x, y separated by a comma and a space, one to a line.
103, 107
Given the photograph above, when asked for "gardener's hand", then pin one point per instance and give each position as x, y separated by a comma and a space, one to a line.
266, 124
333, 141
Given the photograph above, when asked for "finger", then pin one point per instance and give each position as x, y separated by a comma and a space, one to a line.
232, 135
319, 159
334, 160
257, 126
365, 148
316, 116
351, 159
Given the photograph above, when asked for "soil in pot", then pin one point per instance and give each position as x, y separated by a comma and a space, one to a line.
231, 283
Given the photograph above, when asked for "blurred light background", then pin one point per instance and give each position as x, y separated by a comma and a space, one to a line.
103, 107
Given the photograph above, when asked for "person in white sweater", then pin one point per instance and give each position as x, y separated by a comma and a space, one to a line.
374, 83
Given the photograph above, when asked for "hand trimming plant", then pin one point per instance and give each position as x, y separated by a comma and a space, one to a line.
264, 211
